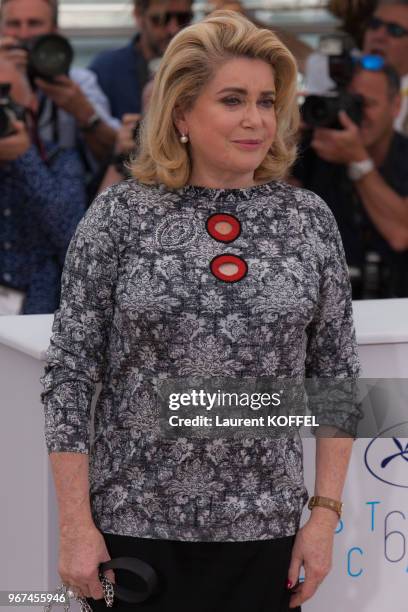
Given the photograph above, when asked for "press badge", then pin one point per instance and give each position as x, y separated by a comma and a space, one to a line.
11, 301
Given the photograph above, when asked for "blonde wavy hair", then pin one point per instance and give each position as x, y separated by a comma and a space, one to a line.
188, 64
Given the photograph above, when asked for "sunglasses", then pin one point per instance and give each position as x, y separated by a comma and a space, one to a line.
183, 18
393, 29
370, 62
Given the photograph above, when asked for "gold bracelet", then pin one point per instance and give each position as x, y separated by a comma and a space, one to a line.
326, 502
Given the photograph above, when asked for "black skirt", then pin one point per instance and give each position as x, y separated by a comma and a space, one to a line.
206, 576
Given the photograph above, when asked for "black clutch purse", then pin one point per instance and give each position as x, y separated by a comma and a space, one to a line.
142, 570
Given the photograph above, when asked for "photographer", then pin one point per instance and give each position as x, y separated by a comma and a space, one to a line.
42, 199
361, 171
73, 109
123, 73
383, 31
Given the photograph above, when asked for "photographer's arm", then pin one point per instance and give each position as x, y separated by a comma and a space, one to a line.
56, 197
68, 95
387, 210
12, 147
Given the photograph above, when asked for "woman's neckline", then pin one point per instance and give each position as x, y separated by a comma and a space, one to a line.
232, 193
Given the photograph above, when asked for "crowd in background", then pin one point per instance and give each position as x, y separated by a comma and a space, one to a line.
65, 138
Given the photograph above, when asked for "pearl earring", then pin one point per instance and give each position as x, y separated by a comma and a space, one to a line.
184, 138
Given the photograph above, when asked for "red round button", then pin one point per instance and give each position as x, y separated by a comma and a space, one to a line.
223, 236
220, 260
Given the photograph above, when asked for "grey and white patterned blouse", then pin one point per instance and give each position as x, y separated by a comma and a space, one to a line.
140, 304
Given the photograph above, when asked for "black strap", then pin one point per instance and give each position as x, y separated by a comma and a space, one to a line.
141, 569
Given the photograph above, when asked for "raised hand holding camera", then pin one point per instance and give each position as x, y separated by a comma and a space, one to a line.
340, 146
14, 137
15, 145
67, 94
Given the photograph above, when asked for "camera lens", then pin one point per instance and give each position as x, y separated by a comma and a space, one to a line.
51, 55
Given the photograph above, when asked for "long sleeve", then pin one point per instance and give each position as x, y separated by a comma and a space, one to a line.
55, 195
332, 346
77, 353
332, 363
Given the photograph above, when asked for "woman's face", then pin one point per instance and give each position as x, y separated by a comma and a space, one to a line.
232, 124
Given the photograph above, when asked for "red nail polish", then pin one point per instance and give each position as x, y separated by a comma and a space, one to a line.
288, 584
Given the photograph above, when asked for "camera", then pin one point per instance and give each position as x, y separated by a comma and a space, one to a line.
9, 111
49, 56
323, 110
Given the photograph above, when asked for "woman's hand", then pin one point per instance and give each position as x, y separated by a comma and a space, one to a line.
81, 551
313, 548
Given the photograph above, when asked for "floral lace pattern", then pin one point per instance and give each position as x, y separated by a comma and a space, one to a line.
140, 305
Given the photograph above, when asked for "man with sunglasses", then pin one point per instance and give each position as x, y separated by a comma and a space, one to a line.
361, 171
387, 35
123, 73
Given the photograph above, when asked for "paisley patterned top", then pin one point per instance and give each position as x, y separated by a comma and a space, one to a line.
140, 304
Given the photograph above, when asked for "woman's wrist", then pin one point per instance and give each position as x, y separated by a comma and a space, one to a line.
324, 516
66, 530
76, 518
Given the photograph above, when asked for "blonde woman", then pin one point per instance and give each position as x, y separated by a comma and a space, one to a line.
205, 264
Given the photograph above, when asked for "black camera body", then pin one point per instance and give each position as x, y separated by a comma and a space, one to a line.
323, 110
49, 56
9, 111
